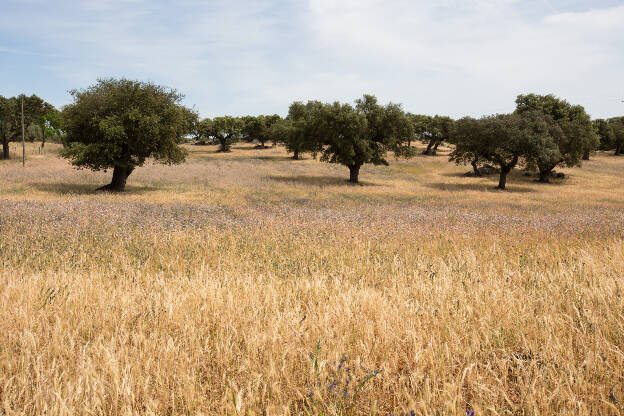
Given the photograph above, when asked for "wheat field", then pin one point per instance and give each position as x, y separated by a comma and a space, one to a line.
248, 284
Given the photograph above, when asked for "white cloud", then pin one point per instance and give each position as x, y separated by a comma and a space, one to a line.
478, 58
449, 56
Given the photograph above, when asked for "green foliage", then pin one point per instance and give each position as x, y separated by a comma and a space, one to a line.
204, 131
11, 116
437, 129
420, 127
506, 140
50, 124
121, 123
33, 132
605, 134
298, 131
472, 145
617, 127
258, 128
579, 138
8, 122
353, 136
226, 130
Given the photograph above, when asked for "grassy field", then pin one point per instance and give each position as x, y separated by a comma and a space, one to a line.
248, 283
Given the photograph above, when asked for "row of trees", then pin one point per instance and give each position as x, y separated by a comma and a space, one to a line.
119, 124
41, 120
228, 130
611, 134
543, 133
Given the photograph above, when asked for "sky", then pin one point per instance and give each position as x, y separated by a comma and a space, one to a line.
451, 57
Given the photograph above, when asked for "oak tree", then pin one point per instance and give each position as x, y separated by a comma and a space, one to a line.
505, 140
353, 136
11, 117
617, 126
226, 130
578, 139
119, 123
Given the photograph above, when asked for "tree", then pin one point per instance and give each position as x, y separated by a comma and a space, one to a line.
204, 131
578, 139
353, 136
118, 124
8, 108
270, 121
617, 126
605, 134
33, 131
11, 115
50, 124
298, 131
504, 140
435, 130
226, 130
253, 129
420, 125
258, 128
470, 144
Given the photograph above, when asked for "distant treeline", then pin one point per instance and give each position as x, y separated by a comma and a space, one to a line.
118, 124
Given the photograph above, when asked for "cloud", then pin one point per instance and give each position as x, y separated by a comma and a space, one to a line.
474, 58
450, 56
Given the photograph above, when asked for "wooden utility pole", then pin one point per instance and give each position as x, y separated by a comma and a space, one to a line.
23, 138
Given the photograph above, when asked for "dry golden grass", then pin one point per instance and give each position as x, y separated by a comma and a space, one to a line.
234, 284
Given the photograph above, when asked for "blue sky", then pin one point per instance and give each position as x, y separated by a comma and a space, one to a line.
456, 57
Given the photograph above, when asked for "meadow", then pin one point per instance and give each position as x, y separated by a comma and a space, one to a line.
249, 283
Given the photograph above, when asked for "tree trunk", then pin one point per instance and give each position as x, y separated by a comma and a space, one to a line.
434, 151
504, 170
409, 143
502, 181
475, 168
120, 176
225, 147
429, 146
296, 155
618, 149
5, 150
43, 137
354, 173
586, 155
544, 175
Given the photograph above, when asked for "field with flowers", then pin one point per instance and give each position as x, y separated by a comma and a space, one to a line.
249, 283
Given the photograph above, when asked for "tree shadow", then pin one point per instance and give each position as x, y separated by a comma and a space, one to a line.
86, 189
275, 157
209, 154
468, 174
481, 187
319, 180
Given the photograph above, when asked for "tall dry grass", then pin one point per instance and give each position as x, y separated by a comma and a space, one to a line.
250, 283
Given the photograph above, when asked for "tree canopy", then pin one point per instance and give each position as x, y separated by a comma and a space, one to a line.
353, 136
49, 124
11, 117
120, 123
617, 127
579, 138
605, 134
433, 131
226, 130
298, 131
505, 140
258, 128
